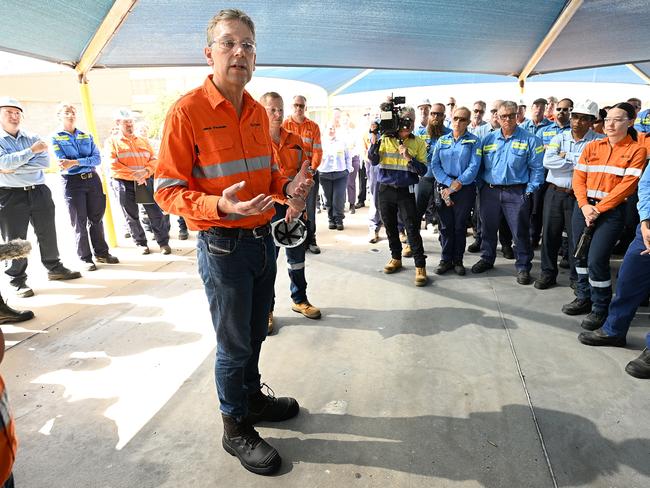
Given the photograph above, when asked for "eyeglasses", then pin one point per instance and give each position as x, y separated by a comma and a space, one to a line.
562, 109
228, 45
477, 111
437, 114
508, 116
302, 105
460, 119
451, 105
494, 110
615, 120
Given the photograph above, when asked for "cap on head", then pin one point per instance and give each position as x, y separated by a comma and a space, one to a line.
123, 114
586, 107
10, 102
540, 101
424, 101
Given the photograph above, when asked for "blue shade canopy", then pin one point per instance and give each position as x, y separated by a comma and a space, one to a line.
407, 43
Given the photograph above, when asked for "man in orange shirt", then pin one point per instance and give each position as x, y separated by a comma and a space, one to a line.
8, 439
132, 163
288, 152
217, 170
309, 132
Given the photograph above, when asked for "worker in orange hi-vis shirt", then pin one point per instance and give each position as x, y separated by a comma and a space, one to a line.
309, 132
216, 169
606, 174
288, 152
8, 440
132, 162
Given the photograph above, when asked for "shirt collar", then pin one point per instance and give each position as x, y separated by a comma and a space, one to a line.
215, 97
4, 133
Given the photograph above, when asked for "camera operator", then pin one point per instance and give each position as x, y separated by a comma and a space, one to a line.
401, 158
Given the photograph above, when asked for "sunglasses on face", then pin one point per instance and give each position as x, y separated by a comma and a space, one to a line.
437, 114
460, 119
562, 109
299, 105
508, 116
477, 111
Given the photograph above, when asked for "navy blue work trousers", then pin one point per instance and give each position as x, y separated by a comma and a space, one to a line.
334, 185
86, 204
509, 202
594, 275
295, 262
632, 287
453, 223
159, 222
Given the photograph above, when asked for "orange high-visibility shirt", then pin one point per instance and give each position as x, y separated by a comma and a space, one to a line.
8, 440
289, 155
207, 148
309, 132
127, 154
608, 173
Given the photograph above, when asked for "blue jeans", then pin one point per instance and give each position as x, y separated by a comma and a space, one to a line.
632, 288
295, 262
594, 276
510, 203
238, 275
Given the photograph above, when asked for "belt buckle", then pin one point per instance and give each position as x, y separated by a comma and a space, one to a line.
30, 187
255, 234
83, 176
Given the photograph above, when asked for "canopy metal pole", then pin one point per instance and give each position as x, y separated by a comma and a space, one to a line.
555, 30
86, 102
635, 69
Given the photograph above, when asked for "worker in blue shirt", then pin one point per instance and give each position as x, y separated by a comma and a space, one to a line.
560, 157
632, 288
511, 171
424, 108
561, 124
537, 120
25, 198
78, 157
455, 163
435, 129
642, 122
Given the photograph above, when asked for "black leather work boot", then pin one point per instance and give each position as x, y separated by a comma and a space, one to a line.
10, 316
241, 440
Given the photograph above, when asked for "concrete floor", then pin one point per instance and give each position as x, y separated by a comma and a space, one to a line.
471, 381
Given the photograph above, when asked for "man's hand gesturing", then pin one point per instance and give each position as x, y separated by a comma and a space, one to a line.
230, 203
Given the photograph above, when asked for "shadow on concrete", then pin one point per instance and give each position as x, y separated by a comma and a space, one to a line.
78, 449
389, 323
497, 449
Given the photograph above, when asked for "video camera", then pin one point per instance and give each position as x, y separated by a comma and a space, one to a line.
390, 123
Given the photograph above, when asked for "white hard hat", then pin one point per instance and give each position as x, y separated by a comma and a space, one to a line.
587, 107
424, 101
10, 102
123, 114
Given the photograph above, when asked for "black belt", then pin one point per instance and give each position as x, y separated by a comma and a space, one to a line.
257, 232
507, 187
83, 176
21, 188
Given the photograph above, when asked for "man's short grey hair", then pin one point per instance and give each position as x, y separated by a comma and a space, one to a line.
509, 105
229, 14
481, 103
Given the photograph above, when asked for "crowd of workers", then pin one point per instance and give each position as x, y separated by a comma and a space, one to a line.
565, 181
